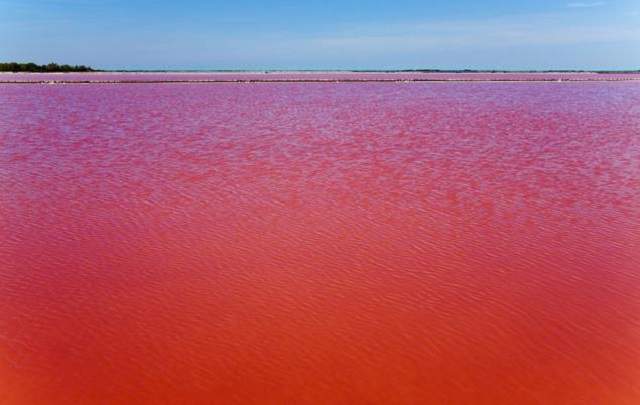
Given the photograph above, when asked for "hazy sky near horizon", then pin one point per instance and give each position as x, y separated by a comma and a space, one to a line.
323, 34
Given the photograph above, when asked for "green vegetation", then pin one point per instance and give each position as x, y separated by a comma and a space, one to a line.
51, 67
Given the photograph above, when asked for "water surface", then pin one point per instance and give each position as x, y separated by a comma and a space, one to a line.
320, 243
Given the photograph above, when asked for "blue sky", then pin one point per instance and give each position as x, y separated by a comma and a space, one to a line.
323, 34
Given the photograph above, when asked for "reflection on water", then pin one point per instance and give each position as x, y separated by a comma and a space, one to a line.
320, 243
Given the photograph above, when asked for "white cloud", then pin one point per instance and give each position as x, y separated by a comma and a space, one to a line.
533, 29
586, 5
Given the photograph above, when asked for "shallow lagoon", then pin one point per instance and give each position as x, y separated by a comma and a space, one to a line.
320, 243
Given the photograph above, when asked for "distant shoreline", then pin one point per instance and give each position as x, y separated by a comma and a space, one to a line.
30, 67
309, 76
84, 69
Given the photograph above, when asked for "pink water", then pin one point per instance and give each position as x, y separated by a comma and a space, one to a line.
308, 76
320, 243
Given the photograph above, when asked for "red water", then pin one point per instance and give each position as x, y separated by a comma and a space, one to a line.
320, 243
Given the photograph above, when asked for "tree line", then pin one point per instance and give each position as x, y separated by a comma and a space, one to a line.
51, 67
